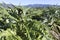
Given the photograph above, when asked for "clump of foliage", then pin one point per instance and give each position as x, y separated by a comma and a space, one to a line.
33, 24
52, 19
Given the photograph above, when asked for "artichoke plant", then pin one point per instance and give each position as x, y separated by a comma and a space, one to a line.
19, 24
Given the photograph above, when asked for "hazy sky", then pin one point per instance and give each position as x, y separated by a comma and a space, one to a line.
26, 2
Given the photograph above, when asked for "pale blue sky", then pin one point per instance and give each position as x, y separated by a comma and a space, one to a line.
26, 2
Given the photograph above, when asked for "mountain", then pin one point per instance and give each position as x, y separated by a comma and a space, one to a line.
30, 5
6, 5
41, 5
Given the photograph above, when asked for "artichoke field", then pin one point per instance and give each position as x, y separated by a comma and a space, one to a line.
29, 24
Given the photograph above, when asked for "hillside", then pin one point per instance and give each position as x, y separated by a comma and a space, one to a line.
21, 23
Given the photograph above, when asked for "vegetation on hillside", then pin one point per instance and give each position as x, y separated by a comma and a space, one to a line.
30, 23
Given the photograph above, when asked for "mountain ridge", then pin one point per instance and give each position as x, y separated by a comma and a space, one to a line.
30, 5
41, 5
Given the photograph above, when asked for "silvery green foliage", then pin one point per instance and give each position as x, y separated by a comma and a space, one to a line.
27, 25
